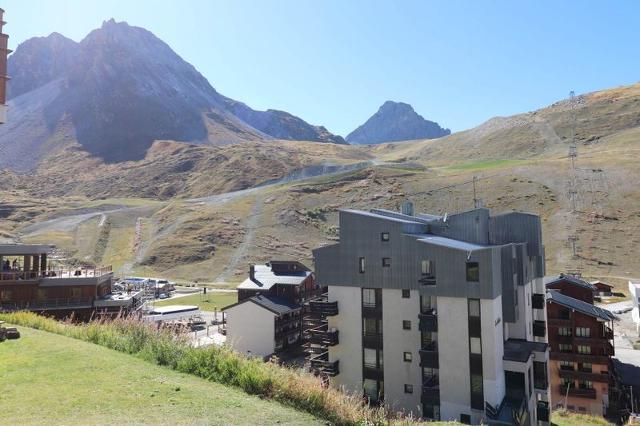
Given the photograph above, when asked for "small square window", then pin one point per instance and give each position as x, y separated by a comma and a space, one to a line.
473, 272
384, 236
408, 357
406, 293
386, 262
406, 325
408, 388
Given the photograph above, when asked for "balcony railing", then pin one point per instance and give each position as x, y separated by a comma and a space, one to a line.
321, 364
372, 340
431, 390
429, 321
579, 392
427, 280
583, 375
539, 328
323, 307
429, 355
537, 301
54, 273
322, 336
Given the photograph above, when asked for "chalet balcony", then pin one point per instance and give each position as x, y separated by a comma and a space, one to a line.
323, 365
427, 280
429, 321
20, 275
583, 375
373, 372
538, 301
579, 392
431, 390
429, 355
323, 307
372, 340
576, 357
322, 336
539, 328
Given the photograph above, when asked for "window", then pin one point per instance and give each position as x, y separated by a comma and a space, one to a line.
465, 419
408, 388
583, 349
6, 295
384, 236
474, 307
564, 314
406, 325
583, 332
566, 365
585, 384
564, 347
370, 357
386, 262
428, 268
475, 346
564, 331
75, 293
585, 367
361, 265
406, 293
567, 383
427, 304
372, 326
369, 297
407, 356
473, 272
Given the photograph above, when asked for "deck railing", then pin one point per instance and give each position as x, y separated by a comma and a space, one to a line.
61, 303
55, 273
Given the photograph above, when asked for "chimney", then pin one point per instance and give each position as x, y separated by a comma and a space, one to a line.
407, 208
252, 272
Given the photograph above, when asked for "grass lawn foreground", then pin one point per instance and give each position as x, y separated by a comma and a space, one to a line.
50, 379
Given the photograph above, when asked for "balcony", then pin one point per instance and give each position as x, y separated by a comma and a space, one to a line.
20, 275
373, 372
323, 307
431, 390
537, 301
607, 333
429, 356
429, 321
583, 375
427, 280
322, 336
581, 393
371, 310
542, 411
321, 364
539, 328
372, 340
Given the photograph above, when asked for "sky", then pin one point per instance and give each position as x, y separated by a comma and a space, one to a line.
334, 62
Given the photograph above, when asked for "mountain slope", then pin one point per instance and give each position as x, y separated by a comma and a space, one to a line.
117, 91
395, 121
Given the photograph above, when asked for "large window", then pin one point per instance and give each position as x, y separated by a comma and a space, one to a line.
564, 331
428, 268
473, 272
583, 332
361, 265
564, 347
369, 297
474, 308
475, 346
584, 349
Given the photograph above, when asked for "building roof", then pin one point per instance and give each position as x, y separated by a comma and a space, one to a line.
580, 306
450, 242
264, 278
598, 282
387, 215
275, 304
521, 350
551, 280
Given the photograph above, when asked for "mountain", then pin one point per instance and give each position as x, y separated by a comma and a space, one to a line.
115, 93
395, 121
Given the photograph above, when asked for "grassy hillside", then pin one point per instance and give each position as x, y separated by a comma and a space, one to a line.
565, 418
53, 379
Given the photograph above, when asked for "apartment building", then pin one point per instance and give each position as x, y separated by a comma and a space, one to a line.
267, 318
581, 347
441, 317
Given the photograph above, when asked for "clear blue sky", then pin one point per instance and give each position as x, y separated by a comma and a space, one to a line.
335, 62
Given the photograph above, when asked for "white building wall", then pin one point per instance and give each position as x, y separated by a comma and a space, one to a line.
251, 329
492, 350
397, 372
349, 324
453, 356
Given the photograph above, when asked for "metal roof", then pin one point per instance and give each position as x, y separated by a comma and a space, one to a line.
264, 278
277, 305
450, 242
393, 218
579, 305
520, 350
548, 281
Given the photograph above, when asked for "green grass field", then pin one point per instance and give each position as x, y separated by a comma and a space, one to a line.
51, 379
206, 302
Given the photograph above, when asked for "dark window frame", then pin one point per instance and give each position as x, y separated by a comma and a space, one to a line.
406, 325
473, 277
408, 388
406, 293
384, 237
386, 262
407, 356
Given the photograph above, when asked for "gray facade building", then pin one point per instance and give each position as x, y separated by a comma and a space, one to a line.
440, 317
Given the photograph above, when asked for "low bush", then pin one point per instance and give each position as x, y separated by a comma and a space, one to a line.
219, 364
